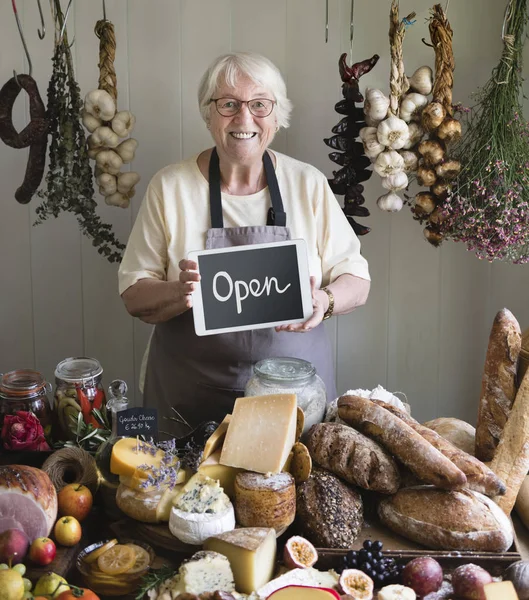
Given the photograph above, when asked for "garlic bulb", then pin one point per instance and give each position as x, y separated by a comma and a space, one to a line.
127, 149
107, 184
432, 152
390, 202
422, 80
448, 170
411, 161
416, 132
388, 162
118, 200
376, 104
126, 181
411, 106
440, 189
104, 137
434, 237
109, 161
92, 152
426, 176
424, 203
367, 132
373, 148
438, 216
397, 181
123, 123
90, 122
449, 130
100, 104
393, 133
432, 116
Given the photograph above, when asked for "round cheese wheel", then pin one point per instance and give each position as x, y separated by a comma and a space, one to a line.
196, 528
138, 505
265, 500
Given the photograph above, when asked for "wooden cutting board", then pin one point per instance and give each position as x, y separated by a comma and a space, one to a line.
63, 563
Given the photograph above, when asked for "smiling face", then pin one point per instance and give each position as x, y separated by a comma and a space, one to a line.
244, 137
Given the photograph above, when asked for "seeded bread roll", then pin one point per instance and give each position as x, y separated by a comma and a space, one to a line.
479, 477
353, 457
328, 512
498, 385
447, 520
406, 445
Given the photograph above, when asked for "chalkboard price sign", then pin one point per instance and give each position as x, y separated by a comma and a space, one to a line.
251, 287
138, 421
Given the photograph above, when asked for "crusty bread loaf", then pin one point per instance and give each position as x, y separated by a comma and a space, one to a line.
353, 457
522, 502
498, 385
511, 460
479, 477
447, 520
406, 445
458, 432
328, 512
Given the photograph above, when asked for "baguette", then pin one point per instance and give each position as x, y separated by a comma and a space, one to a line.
479, 477
498, 385
522, 502
353, 457
406, 445
511, 460
447, 520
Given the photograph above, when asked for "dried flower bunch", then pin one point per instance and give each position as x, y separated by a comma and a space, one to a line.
167, 474
488, 207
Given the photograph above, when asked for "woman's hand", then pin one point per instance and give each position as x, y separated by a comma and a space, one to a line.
320, 302
187, 283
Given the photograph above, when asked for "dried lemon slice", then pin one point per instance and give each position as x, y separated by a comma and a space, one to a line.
117, 560
143, 559
95, 554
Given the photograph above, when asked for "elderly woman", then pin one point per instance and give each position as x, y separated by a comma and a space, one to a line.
238, 192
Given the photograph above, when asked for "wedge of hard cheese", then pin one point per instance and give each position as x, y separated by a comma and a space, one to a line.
211, 467
302, 592
251, 552
129, 453
261, 433
215, 440
500, 590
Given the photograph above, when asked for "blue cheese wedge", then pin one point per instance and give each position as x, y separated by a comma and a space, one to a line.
201, 510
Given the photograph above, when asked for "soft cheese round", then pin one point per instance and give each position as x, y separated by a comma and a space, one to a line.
195, 528
265, 500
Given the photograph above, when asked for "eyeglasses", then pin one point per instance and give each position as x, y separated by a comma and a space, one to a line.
229, 107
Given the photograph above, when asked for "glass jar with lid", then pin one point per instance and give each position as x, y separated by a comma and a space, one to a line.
25, 411
284, 375
78, 389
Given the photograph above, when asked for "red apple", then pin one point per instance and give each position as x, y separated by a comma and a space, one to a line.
14, 545
42, 551
75, 500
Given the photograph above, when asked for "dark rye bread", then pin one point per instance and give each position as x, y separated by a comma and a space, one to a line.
353, 457
447, 520
498, 385
328, 512
479, 477
405, 444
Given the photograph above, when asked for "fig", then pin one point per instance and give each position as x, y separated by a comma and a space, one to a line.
518, 573
423, 575
468, 581
356, 584
396, 592
299, 553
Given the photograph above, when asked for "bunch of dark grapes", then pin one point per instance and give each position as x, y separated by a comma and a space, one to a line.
371, 560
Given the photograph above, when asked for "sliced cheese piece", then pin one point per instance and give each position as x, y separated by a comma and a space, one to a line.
251, 552
128, 455
203, 572
261, 433
195, 528
302, 592
309, 577
137, 482
214, 442
163, 510
225, 475
500, 590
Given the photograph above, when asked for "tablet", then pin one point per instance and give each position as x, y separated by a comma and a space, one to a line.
251, 287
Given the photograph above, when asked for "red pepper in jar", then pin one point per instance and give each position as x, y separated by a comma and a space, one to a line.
86, 407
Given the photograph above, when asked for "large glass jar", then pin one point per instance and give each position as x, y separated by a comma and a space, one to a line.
285, 375
78, 389
25, 411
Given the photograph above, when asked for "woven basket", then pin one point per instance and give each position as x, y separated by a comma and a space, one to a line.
523, 364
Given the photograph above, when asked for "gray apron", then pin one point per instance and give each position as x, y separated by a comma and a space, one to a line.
201, 376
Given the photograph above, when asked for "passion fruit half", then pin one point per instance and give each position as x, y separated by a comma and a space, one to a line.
299, 553
356, 584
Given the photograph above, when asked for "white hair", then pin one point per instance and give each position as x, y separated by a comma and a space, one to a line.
230, 67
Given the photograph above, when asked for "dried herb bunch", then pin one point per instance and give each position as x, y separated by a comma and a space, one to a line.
69, 185
488, 207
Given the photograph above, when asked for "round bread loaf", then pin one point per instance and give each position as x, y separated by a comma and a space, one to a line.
328, 512
457, 432
447, 519
265, 500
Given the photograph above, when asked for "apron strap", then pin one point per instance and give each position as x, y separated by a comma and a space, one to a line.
276, 214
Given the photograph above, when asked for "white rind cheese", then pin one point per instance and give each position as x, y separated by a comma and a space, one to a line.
201, 494
195, 528
309, 577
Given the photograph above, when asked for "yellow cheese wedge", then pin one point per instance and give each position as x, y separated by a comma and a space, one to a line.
501, 590
224, 474
163, 510
261, 433
127, 457
214, 442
